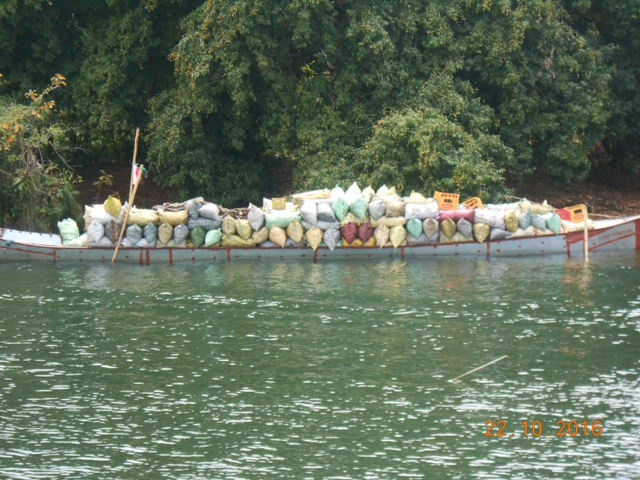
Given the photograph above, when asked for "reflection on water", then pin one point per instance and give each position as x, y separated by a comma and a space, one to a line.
328, 370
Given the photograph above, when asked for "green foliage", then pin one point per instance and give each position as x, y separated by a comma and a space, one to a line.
36, 188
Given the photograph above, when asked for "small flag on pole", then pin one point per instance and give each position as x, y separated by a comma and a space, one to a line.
136, 173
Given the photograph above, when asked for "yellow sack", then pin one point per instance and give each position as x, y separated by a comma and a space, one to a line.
481, 231
278, 236
314, 237
112, 206
165, 233
260, 236
568, 226
389, 222
448, 227
371, 242
511, 221
236, 241
243, 229
398, 235
381, 234
295, 231
142, 217
356, 242
444, 238
174, 218
229, 226
415, 197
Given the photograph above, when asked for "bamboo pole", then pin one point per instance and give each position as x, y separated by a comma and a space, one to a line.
394, 269
135, 155
476, 369
133, 188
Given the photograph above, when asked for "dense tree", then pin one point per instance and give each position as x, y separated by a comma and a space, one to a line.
422, 94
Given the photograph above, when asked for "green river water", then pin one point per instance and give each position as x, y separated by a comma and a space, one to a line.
331, 370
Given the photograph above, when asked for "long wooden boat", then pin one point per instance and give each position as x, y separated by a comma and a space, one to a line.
619, 234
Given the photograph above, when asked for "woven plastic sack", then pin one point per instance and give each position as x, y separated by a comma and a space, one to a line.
268, 244
243, 229
414, 228
234, 241
112, 206
394, 206
213, 237
325, 213
481, 231
499, 234
377, 208
421, 240
205, 223
539, 222
417, 198
95, 231
389, 222
281, 218
142, 217
314, 237
353, 193
359, 208
493, 218
260, 236
340, 207
397, 235
192, 207
134, 234
381, 234
336, 193
278, 236
554, 223
430, 227
370, 243
356, 243
324, 226
421, 211
210, 211
448, 227
173, 218
368, 194
104, 242
229, 225
295, 231
524, 220
197, 236
144, 244
365, 232
467, 213
503, 206
165, 233
349, 232
291, 243
459, 238
511, 221
530, 231
97, 213
540, 209
150, 233
465, 228
180, 233
81, 241
331, 238
255, 217
125, 243
348, 218
309, 212
568, 226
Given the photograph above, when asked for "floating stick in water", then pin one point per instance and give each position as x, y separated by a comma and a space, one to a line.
476, 369
394, 269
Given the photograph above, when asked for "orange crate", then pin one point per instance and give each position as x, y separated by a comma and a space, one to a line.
279, 203
575, 214
473, 202
447, 201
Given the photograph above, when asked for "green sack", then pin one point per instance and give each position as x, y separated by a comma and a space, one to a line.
212, 237
359, 208
554, 223
281, 219
68, 230
340, 207
524, 220
414, 227
197, 236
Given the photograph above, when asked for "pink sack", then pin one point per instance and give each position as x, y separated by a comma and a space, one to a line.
350, 232
456, 215
365, 232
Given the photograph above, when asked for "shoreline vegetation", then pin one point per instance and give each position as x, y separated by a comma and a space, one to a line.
243, 99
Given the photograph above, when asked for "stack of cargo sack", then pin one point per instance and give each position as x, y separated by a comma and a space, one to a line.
331, 218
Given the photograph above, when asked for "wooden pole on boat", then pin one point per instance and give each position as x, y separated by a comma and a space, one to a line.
133, 188
586, 235
476, 369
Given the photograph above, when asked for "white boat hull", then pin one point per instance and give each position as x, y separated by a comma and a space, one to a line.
621, 234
